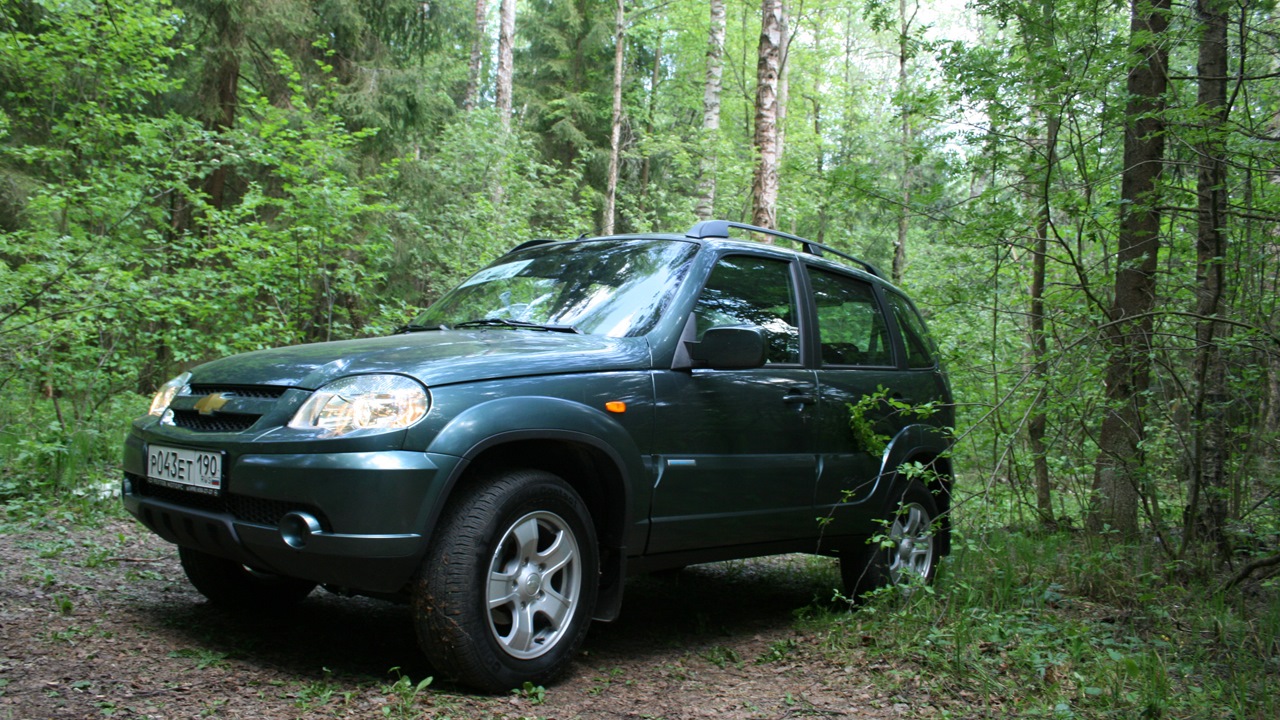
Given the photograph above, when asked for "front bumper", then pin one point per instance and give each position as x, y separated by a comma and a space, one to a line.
373, 512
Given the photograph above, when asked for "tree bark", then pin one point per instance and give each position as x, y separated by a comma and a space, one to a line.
1040, 35
478, 46
506, 38
906, 137
1038, 423
705, 207
1118, 471
223, 85
764, 191
784, 82
615, 128
1207, 486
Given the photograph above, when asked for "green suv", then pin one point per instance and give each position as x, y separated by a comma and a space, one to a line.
574, 413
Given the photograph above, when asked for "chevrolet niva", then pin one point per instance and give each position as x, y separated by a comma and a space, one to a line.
574, 413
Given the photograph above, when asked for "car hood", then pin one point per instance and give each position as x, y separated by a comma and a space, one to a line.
436, 357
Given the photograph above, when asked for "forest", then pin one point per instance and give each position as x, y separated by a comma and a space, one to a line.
1082, 196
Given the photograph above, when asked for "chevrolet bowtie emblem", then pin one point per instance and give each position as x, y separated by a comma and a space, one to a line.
211, 403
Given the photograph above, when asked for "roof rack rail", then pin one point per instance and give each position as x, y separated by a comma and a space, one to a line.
531, 243
720, 229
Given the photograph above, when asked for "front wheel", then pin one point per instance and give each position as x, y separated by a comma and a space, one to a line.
507, 591
906, 554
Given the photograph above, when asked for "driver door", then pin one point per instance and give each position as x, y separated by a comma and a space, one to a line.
736, 464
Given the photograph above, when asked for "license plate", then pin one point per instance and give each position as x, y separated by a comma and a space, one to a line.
196, 470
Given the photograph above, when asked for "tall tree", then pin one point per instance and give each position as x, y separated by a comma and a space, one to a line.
764, 190
711, 112
784, 80
615, 126
222, 81
906, 138
1206, 491
478, 46
506, 40
1118, 471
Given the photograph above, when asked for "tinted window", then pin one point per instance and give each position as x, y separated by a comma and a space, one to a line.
615, 288
753, 291
851, 328
920, 347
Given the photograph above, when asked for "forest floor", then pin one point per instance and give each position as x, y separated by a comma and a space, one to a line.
100, 622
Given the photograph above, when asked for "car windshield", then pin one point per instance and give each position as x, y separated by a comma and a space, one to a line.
617, 288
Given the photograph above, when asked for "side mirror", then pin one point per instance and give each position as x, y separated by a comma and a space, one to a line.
729, 348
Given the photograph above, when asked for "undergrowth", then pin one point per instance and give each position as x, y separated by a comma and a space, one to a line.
1067, 626
62, 465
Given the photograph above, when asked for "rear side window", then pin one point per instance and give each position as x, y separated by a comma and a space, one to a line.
851, 327
744, 290
921, 352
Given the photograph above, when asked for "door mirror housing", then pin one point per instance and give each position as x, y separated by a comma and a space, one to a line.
729, 348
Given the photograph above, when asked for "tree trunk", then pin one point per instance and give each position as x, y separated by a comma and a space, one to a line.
223, 85
904, 211
506, 38
1207, 487
711, 113
1038, 423
764, 191
478, 46
1039, 36
615, 128
784, 84
1117, 473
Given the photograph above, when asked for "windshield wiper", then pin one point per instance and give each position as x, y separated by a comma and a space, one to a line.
411, 327
507, 322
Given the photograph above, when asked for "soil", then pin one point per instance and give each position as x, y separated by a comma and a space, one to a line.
100, 622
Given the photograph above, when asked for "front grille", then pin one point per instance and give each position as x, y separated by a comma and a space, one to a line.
263, 392
219, 422
246, 509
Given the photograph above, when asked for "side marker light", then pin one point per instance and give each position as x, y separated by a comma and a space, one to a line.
616, 406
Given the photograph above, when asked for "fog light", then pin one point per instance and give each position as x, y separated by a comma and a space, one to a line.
298, 527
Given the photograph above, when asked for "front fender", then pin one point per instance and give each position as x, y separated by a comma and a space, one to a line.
484, 425
511, 418
912, 442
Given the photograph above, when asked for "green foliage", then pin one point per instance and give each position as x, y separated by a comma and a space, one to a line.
405, 694
1065, 626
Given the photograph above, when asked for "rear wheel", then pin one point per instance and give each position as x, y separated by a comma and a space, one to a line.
507, 591
906, 557
230, 584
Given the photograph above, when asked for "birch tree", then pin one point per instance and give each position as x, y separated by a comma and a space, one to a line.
615, 127
711, 113
764, 190
506, 38
478, 46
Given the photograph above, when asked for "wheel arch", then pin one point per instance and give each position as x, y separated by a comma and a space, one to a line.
930, 447
581, 445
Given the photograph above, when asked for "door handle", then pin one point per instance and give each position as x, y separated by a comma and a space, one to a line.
799, 396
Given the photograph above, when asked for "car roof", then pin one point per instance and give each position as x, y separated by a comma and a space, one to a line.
715, 233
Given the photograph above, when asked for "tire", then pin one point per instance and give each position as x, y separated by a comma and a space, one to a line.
232, 585
912, 557
507, 590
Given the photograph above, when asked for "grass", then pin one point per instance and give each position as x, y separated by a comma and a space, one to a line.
1066, 626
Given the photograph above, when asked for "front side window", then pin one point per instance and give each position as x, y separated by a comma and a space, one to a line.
753, 291
851, 328
617, 288
920, 348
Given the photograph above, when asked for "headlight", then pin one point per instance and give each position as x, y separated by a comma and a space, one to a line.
166, 393
363, 402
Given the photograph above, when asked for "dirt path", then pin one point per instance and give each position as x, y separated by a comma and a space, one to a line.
102, 623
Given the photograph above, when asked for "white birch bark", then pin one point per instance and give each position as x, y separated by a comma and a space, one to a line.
764, 191
615, 130
705, 208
